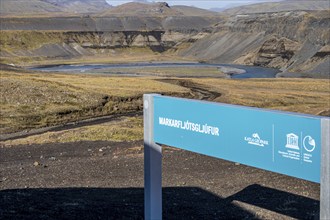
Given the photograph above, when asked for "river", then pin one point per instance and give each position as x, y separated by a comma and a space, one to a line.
232, 70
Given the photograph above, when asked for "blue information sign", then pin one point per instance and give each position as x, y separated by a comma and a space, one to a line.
276, 141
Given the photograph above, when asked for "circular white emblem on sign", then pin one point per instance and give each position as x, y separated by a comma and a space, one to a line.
309, 143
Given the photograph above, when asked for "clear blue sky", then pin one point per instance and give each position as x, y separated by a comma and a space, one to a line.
200, 4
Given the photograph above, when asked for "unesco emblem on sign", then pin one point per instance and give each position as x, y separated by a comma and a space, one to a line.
292, 141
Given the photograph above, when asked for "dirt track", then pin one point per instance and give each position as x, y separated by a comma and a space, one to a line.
196, 92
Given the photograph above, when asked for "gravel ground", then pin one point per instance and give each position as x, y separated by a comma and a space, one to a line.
104, 180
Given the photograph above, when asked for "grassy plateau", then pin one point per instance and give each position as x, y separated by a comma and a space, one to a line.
33, 100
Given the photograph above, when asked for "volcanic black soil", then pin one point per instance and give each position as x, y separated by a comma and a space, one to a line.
104, 180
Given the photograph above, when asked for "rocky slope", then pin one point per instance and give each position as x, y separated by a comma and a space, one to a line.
287, 5
19, 8
192, 11
158, 9
142, 9
80, 6
94, 36
291, 41
60, 45
109, 23
28, 7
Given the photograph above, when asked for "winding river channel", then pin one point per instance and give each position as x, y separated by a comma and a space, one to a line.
231, 70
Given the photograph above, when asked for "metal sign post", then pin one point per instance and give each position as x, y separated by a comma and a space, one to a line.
292, 144
325, 171
152, 164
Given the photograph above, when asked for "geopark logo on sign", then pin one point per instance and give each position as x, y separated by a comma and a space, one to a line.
256, 140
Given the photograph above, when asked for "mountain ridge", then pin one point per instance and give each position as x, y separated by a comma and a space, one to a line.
80, 6
290, 5
51, 7
160, 9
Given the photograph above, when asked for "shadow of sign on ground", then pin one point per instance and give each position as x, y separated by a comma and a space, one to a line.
59, 191
127, 203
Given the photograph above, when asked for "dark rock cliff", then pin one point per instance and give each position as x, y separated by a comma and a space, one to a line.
291, 41
67, 37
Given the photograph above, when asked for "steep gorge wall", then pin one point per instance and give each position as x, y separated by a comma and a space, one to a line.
291, 41
58, 44
48, 38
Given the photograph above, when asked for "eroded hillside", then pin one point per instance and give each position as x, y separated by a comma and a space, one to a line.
280, 6
23, 46
291, 41
296, 41
24, 39
19, 8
